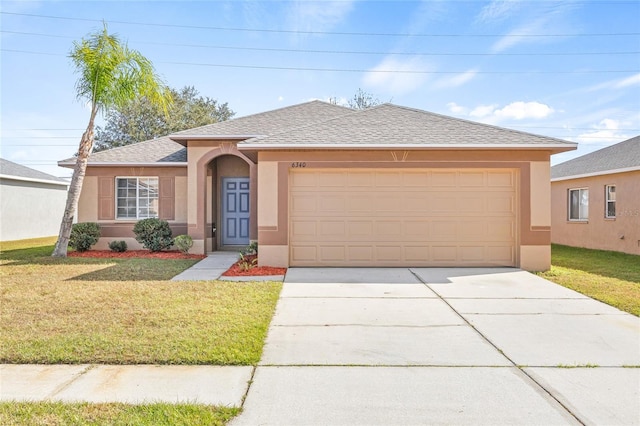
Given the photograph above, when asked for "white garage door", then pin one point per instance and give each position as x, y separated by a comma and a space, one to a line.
390, 217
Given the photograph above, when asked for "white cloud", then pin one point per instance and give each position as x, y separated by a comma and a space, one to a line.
519, 35
626, 82
385, 75
456, 109
456, 80
541, 18
620, 83
521, 110
280, 98
518, 110
606, 131
482, 111
313, 15
497, 10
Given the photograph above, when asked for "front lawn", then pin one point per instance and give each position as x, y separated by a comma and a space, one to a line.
57, 413
125, 311
608, 276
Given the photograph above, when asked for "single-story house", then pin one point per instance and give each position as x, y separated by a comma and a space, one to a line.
31, 202
595, 199
317, 184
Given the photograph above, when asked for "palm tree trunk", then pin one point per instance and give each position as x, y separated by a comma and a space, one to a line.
75, 187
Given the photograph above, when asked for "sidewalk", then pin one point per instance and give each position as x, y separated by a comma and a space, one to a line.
132, 384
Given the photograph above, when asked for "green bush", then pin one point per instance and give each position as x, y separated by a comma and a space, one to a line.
153, 234
250, 249
184, 243
84, 235
118, 246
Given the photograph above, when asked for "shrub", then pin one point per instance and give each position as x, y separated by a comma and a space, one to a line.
118, 246
153, 234
184, 243
250, 249
84, 235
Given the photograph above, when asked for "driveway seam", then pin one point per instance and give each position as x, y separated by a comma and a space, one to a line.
69, 382
249, 383
499, 350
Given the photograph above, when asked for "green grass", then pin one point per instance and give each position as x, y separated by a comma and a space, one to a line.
56, 413
125, 311
611, 277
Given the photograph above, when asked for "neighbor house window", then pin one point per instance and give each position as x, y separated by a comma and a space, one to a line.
137, 197
579, 204
610, 201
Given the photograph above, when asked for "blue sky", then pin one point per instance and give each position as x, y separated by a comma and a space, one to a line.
567, 69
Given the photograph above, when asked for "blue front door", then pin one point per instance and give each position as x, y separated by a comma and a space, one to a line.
235, 211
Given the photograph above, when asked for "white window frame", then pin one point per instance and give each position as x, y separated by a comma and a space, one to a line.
607, 201
137, 197
583, 213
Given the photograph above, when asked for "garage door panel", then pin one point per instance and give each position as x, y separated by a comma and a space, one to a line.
433, 217
361, 179
418, 180
472, 179
304, 230
360, 254
304, 254
503, 179
444, 179
332, 253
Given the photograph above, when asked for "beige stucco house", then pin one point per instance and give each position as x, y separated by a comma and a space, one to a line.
595, 199
318, 184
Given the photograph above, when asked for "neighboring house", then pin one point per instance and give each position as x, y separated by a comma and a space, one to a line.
595, 199
31, 202
318, 184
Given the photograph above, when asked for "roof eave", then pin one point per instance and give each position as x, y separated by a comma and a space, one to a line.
127, 164
26, 179
554, 148
599, 173
182, 139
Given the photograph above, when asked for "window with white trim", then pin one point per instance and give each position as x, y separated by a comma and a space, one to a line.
610, 201
136, 197
579, 204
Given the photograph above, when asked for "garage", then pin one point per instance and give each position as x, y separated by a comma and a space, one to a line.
403, 217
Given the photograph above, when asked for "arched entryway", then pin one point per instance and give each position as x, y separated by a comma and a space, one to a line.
226, 200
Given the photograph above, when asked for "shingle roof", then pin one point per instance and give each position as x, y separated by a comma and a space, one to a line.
160, 150
266, 123
621, 156
322, 124
389, 124
9, 168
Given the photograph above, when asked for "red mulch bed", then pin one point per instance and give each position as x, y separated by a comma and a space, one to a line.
146, 254
256, 271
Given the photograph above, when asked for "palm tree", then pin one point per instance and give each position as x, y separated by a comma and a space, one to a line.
110, 75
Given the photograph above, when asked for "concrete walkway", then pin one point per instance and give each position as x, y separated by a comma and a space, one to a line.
398, 347
214, 265
443, 346
209, 268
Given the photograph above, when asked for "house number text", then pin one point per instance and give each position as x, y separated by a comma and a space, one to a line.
298, 164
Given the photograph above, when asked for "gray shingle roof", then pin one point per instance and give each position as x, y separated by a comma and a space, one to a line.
9, 168
389, 124
323, 124
160, 150
623, 155
266, 123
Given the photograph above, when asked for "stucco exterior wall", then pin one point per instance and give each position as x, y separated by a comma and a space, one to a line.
30, 209
621, 233
97, 201
533, 233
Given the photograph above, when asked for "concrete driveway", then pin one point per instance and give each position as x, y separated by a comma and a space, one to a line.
443, 346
